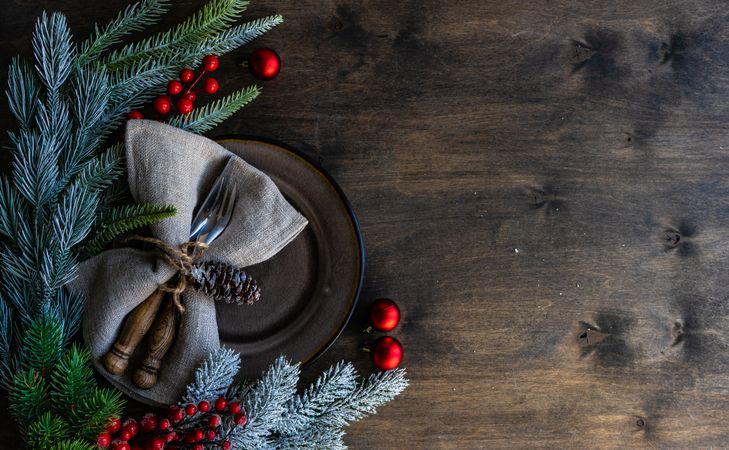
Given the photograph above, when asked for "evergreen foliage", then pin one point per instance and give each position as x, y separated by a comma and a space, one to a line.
60, 203
280, 419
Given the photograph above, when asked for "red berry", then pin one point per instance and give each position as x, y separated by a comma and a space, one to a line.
175, 413
174, 87
234, 408
210, 63
220, 404
125, 435
190, 409
210, 435
226, 445
190, 96
214, 421
240, 419
134, 115
162, 104
148, 422
131, 426
103, 440
118, 444
187, 75
163, 424
157, 444
184, 107
198, 447
211, 86
203, 406
114, 425
171, 436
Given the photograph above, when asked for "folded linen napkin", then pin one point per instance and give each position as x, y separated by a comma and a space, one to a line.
171, 166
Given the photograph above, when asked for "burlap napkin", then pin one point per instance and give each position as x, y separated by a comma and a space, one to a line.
171, 166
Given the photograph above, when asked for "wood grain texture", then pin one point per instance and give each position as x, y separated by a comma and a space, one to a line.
542, 186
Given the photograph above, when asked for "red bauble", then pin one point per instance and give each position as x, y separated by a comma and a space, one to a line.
211, 86
220, 404
114, 425
190, 409
162, 104
203, 406
187, 75
226, 445
135, 115
174, 87
103, 440
384, 314
264, 64
234, 408
387, 353
210, 63
184, 107
240, 419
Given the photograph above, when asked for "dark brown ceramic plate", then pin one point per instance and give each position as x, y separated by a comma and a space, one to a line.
310, 288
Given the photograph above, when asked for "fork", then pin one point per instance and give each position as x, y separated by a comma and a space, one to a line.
209, 222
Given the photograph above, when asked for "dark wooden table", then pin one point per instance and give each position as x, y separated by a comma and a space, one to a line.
543, 187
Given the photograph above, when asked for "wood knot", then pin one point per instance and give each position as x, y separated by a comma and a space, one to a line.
580, 52
546, 199
678, 333
671, 238
589, 337
336, 25
640, 423
679, 238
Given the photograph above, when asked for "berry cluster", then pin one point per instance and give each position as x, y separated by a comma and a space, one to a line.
185, 101
196, 427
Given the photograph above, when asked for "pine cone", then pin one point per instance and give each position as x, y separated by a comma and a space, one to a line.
225, 283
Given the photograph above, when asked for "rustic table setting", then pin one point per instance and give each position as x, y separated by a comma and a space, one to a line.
541, 188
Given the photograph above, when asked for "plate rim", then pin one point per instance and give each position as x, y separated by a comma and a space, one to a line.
350, 212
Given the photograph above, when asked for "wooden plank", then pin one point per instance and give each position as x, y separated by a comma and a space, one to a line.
542, 186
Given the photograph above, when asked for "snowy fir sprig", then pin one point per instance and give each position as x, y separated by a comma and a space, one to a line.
278, 417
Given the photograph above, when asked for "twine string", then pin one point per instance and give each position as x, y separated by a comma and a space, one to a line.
181, 258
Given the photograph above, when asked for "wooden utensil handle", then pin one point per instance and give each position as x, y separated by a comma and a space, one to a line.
136, 325
158, 343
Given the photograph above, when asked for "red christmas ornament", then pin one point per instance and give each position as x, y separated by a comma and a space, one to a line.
264, 64
220, 404
114, 425
184, 107
226, 445
210, 63
384, 314
387, 353
210, 86
203, 406
174, 87
103, 440
187, 75
134, 115
162, 104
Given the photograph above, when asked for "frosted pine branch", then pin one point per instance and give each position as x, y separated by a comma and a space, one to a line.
213, 377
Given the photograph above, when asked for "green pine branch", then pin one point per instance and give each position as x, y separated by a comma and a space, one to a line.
28, 396
46, 431
42, 345
122, 219
215, 17
134, 18
91, 415
72, 381
209, 116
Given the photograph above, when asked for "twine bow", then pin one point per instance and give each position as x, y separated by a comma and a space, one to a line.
181, 258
